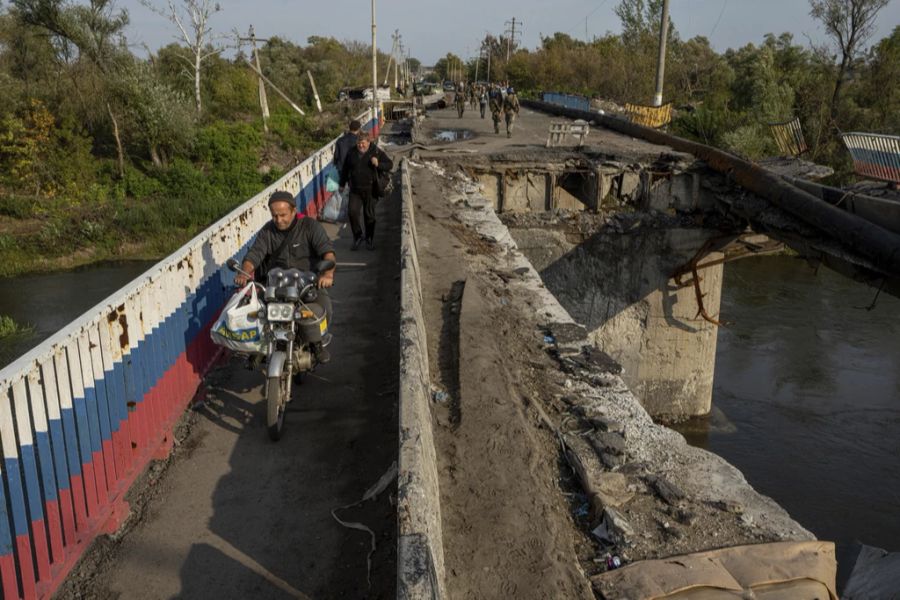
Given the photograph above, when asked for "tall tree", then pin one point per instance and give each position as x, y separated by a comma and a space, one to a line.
192, 19
850, 23
94, 29
641, 19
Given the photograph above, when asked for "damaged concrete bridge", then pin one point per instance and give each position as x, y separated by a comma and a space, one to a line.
530, 318
566, 299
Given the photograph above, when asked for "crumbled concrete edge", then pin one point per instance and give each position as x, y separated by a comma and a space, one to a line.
707, 478
420, 548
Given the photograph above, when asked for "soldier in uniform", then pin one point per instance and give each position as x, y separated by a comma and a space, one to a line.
496, 105
460, 101
510, 109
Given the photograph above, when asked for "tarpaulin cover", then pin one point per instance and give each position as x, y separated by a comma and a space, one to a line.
776, 571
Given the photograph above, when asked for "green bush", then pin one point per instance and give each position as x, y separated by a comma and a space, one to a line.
138, 220
9, 328
139, 185
17, 205
751, 141
293, 130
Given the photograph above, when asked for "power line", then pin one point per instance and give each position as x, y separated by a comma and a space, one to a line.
588, 16
721, 12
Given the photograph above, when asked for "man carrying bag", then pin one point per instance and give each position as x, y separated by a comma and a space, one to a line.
368, 170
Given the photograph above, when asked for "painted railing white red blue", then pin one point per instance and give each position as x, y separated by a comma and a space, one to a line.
82, 414
874, 155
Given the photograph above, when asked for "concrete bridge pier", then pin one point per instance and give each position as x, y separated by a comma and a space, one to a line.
619, 286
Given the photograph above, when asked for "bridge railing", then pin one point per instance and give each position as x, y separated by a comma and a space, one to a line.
568, 100
649, 116
82, 414
874, 155
789, 137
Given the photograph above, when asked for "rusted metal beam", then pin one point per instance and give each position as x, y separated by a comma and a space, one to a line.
878, 245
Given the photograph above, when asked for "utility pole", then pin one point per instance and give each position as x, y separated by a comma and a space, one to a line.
315, 91
275, 87
478, 61
490, 50
661, 63
396, 61
511, 37
387, 71
374, 70
263, 101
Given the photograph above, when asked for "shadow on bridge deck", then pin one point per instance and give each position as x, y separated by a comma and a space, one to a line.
237, 515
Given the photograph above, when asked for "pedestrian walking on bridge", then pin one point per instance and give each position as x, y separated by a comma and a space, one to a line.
496, 102
510, 109
460, 101
482, 100
365, 169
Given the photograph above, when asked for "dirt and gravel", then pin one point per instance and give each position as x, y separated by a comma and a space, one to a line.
507, 526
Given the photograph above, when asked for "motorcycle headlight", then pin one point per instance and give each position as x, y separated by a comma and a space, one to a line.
277, 311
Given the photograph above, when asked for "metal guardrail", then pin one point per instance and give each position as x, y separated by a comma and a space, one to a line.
395, 110
874, 155
649, 116
82, 414
789, 137
568, 100
559, 132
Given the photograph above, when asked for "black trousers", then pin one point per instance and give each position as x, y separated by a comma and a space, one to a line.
361, 211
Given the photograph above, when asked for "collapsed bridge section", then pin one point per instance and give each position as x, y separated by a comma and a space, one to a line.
537, 440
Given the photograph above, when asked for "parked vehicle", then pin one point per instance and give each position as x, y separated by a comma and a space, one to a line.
291, 324
384, 93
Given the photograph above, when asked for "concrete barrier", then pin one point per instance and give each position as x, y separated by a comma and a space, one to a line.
82, 414
420, 551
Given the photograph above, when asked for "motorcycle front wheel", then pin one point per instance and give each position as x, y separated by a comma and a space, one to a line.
277, 390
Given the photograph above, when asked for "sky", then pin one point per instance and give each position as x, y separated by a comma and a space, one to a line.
431, 28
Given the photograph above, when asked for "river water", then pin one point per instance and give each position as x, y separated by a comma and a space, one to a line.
807, 399
48, 302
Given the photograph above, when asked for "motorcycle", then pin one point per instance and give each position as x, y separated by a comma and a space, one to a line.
291, 327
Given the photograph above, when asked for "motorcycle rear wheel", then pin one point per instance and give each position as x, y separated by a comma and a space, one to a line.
277, 389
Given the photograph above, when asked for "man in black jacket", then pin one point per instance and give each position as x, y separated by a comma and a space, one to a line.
345, 144
292, 242
365, 169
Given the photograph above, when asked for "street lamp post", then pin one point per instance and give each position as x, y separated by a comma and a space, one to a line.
374, 70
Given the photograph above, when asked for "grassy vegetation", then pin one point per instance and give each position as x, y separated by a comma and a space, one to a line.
10, 329
103, 154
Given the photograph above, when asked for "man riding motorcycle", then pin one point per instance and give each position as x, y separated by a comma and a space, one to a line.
291, 242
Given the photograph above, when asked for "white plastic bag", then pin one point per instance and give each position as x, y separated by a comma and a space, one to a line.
335, 210
332, 183
238, 326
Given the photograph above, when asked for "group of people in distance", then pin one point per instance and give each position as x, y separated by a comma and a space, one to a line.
500, 99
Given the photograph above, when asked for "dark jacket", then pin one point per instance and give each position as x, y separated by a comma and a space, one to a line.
306, 244
361, 175
345, 144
